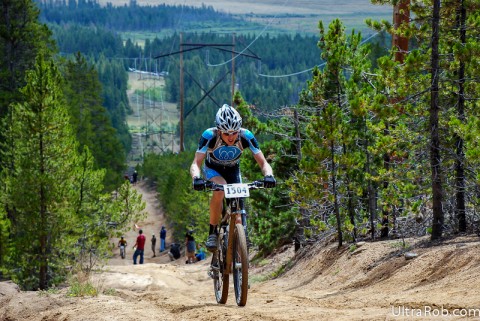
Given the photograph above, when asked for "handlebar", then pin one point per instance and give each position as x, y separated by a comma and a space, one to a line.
219, 187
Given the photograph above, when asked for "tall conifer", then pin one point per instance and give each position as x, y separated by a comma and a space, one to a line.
40, 184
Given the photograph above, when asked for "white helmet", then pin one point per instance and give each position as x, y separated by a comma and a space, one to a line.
228, 119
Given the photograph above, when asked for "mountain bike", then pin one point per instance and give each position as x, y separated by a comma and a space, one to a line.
122, 251
231, 256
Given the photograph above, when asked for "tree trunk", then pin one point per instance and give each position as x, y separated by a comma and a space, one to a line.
335, 197
435, 158
460, 160
385, 213
43, 225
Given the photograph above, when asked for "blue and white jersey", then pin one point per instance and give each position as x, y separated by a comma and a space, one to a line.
218, 153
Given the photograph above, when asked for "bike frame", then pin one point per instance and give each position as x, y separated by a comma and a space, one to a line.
234, 258
237, 215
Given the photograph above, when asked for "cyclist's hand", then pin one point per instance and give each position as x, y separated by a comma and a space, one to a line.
269, 181
199, 183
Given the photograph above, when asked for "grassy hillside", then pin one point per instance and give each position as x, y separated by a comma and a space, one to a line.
295, 16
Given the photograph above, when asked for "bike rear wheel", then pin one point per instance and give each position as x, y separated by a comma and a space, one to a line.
240, 265
220, 282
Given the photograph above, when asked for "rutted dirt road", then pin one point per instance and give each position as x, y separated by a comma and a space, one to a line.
373, 282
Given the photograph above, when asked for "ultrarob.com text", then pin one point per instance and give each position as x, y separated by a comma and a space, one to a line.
434, 311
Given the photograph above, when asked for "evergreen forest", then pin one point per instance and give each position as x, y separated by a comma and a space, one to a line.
366, 141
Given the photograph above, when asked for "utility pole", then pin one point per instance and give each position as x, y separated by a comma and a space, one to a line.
233, 69
197, 46
181, 92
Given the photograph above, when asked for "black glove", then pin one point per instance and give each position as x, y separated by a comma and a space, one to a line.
269, 181
199, 184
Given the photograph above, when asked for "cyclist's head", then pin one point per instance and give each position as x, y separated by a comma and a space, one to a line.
140, 231
121, 237
228, 119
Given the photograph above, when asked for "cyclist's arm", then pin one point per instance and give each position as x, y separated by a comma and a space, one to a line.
264, 165
257, 153
196, 164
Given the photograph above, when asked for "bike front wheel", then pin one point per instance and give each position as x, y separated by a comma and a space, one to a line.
240, 265
220, 280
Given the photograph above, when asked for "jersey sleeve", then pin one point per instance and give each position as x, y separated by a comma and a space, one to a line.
207, 136
252, 142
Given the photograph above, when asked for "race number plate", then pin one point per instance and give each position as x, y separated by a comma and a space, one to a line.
236, 190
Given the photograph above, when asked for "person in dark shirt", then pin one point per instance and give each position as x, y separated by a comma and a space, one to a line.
174, 251
134, 177
163, 236
190, 247
154, 242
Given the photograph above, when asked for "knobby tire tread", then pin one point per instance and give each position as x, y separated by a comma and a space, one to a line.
240, 249
221, 295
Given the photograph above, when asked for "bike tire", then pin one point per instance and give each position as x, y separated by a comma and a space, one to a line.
240, 265
220, 283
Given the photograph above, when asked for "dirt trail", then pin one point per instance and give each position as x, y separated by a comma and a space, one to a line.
372, 282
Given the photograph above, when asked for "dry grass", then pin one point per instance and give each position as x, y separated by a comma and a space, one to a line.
324, 7
274, 12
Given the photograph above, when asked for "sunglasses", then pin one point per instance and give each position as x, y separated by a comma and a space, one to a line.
230, 134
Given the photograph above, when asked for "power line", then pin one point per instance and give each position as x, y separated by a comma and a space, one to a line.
309, 69
292, 74
251, 43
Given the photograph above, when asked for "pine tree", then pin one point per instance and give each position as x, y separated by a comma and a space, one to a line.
90, 119
330, 156
21, 39
447, 52
39, 186
62, 216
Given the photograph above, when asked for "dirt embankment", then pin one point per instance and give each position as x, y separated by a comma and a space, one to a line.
373, 281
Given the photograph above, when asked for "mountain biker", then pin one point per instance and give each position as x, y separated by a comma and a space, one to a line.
221, 147
122, 242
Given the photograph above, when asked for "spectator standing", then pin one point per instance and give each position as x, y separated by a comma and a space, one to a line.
134, 177
139, 247
190, 247
154, 242
163, 236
